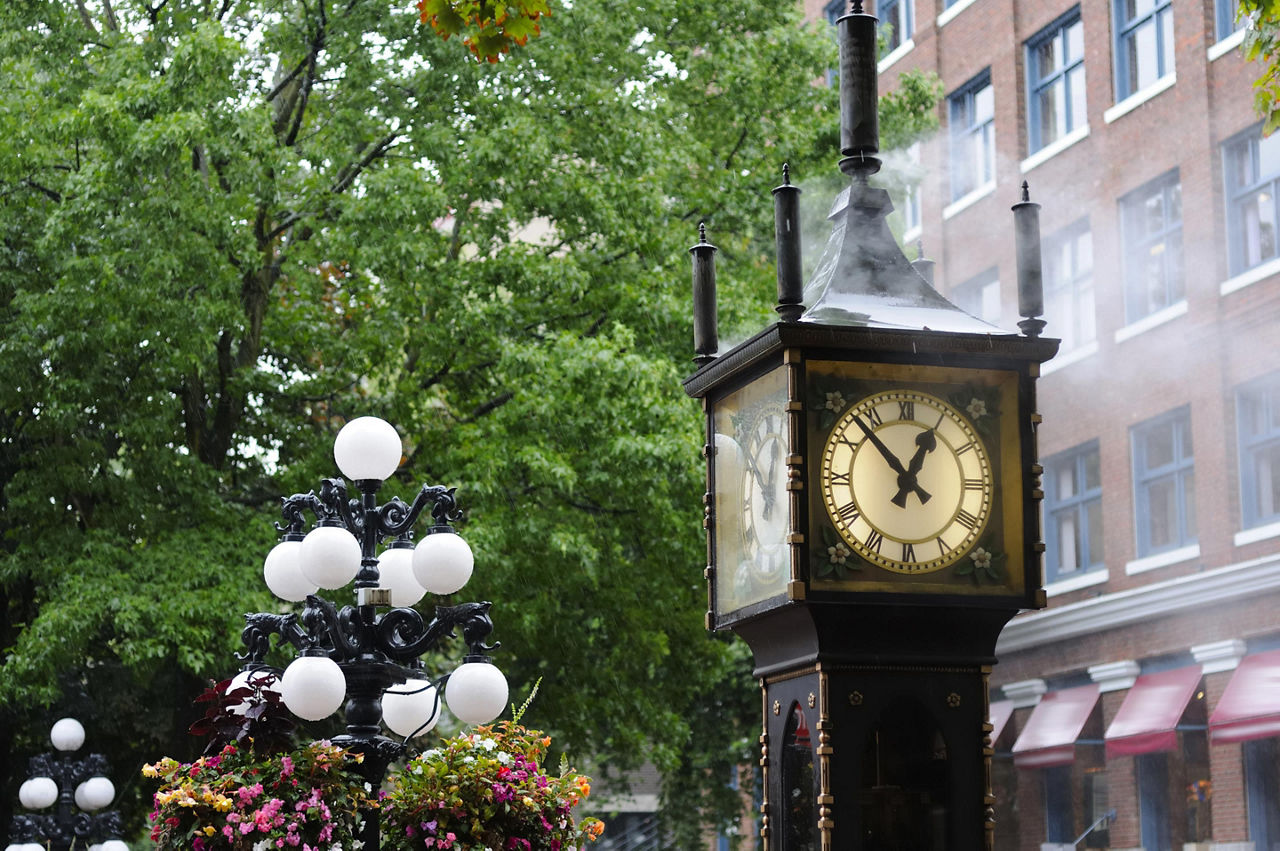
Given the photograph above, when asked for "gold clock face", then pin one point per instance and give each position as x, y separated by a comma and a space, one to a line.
906, 481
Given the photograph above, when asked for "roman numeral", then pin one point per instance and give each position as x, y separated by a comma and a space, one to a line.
908, 552
848, 512
942, 546
973, 484
873, 416
906, 410
966, 520
874, 540
960, 450
839, 478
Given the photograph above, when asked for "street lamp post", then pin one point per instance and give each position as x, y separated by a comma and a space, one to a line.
368, 655
79, 789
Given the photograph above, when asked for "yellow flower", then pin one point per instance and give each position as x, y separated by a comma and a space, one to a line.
150, 771
210, 830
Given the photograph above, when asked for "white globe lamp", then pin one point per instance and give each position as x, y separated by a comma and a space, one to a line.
67, 734
115, 845
395, 573
476, 692
367, 448
442, 562
313, 687
264, 680
411, 708
283, 572
330, 556
38, 793
95, 793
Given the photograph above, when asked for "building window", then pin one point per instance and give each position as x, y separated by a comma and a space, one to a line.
1153, 799
1097, 808
1258, 419
1055, 81
1144, 44
1226, 18
1059, 816
1073, 508
1068, 285
1262, 787
1164, 483
895, 23
979, 296
1151, 223
973, 138
1253, 178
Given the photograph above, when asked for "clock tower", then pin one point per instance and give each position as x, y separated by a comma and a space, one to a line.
872, 513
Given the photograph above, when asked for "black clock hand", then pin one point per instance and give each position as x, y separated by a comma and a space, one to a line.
773, 475
926, 442
879, 444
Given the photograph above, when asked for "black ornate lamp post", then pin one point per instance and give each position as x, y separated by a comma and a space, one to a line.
78, 789
368, 654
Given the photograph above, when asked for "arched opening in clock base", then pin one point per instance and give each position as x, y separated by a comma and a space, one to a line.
903, 794
799, 810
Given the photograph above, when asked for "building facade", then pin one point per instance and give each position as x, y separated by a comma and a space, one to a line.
1144, 702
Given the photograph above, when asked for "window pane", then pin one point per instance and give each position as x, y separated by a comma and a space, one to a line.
1185, 448
1269, 156
1142, 58
1158, 442
1094, 511
1166, 42
1048, 56
1092, 471
1074, 38
983, 104
1075, 82
1068, 542
1052, 111
1134, 8
1153, 212
1258, 226
1162, 511
1189, 498
1240, 165
1065, 476
1267, 473
1177, 289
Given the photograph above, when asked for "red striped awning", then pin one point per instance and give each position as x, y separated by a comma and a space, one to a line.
1148, 718
1250, 707
1051, 732
1001, 712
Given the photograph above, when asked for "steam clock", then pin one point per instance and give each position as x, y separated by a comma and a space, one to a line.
872, 513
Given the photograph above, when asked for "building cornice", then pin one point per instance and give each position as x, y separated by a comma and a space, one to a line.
1157, 599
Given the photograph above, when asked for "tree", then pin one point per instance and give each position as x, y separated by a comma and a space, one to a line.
227, 227
1262, 44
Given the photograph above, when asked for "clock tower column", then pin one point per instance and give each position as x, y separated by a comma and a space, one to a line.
872, 514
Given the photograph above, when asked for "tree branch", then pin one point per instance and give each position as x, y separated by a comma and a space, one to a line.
351, 172
490, 406
86, 19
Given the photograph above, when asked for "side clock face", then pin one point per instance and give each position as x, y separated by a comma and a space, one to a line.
764, 492
906, 481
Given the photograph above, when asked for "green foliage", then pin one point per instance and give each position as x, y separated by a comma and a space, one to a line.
1262, 45
227, 227
491, 26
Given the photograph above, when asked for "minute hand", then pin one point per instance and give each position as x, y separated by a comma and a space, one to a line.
925, 442
879, 444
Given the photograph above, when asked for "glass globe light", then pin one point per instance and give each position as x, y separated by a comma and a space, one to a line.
367, 448
115, 845
32, 846
38, 793
97, 846
95, 793
313, 687
442, 562
411, 708
476, 692
67, 734
264, 680
283, 572
330, 556
20, 846
395, 572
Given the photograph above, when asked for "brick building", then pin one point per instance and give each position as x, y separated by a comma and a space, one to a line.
1150, 686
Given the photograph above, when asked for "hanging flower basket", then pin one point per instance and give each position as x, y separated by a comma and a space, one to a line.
487, 790
238, 800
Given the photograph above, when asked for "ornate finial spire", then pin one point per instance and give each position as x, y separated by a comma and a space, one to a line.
857, 7
1026, 192
786, 174
920, 248
702, 232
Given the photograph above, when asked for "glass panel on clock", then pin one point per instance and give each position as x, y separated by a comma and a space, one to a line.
752, 506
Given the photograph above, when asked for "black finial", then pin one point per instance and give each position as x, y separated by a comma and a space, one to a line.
922, 266
786, 225
786, 174
705, 334
920, 248
857, 7
1026, 227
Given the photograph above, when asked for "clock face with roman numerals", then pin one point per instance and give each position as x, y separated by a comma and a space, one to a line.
906, 481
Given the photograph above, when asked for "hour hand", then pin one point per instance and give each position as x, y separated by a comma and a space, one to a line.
926, 442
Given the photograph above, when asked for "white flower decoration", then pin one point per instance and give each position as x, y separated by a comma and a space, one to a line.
977, 408
835, 401
981, 558
838, 554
